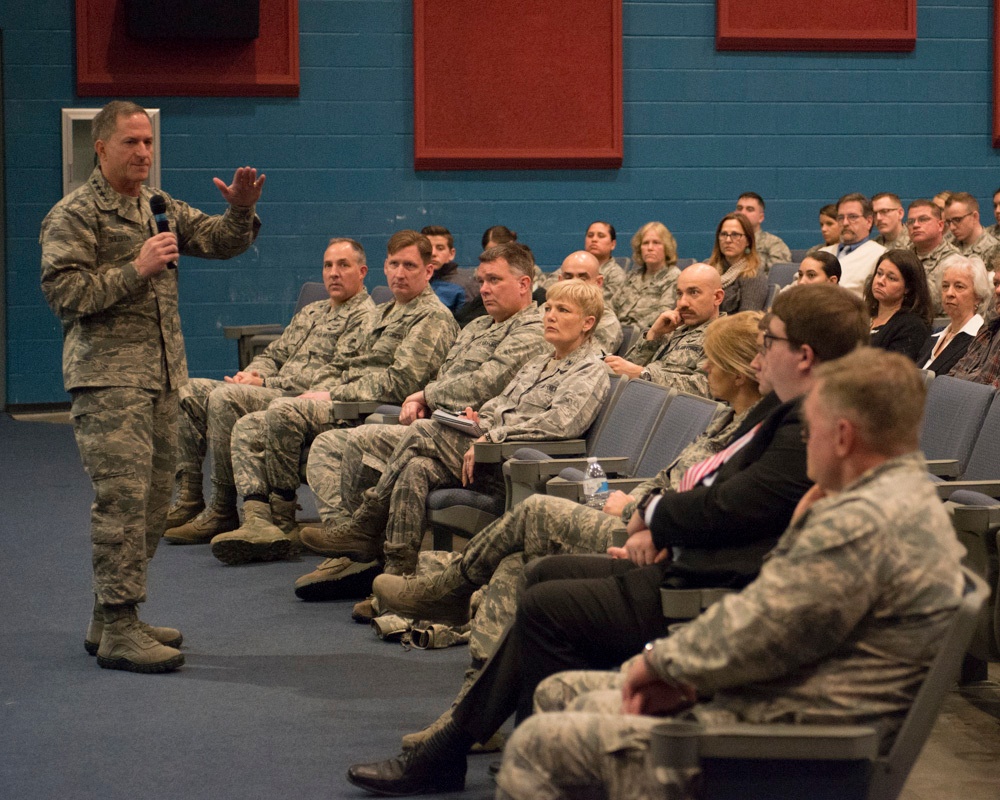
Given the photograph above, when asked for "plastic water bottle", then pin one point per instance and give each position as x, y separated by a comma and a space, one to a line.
595, 486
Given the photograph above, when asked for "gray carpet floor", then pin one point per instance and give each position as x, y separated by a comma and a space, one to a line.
277, 697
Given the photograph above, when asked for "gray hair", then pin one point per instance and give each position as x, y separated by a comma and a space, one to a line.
977, 273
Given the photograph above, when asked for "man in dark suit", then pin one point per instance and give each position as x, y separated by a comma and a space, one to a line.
581, 612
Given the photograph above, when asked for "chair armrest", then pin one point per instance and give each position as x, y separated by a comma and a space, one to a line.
975, 519
239, 331
495, 453
945, 490
573, 490
536, 471
353, 410
678, 744
384, 415
944, 467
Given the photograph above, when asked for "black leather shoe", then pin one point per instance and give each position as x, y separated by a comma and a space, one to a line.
409, 774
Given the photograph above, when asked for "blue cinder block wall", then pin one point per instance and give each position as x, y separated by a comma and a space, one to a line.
700, 126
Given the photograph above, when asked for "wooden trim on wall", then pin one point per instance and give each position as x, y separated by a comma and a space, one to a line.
111, 63
500, 85
861, 25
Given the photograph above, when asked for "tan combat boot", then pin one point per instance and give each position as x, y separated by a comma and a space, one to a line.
125, 645
168, 636
443, 598
220, 516
283, 515
342, 540
189, 502
258, 539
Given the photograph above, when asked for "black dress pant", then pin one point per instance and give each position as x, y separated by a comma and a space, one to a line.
576, 612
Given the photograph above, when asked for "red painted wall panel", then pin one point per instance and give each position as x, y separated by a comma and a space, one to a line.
110, 62
535, 84
871, 25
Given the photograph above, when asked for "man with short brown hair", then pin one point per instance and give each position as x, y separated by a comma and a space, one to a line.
109, 276
926, 225
961, 217
889, 213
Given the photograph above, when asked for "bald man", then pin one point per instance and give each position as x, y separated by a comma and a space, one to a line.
585, 267
671, 352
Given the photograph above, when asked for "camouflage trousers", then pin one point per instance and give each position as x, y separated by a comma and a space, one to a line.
323, 471
211, 409
497, 555
127, 439
352, 457
268, 446
428, 456
583, 741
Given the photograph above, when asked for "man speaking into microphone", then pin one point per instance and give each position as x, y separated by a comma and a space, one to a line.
105, 275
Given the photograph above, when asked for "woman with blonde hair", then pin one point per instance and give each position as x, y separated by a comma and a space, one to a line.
735, 256
651, 284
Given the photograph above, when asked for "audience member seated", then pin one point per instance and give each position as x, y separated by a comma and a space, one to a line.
401, 348
582, 612
995, 229
583, 266
839, 628
494, 235
651, 284
736, 259
965, 288
320, 332
926, 225
829, 228
555, 396
671, 353
600, 241
820, 267
544, 525
981, 362
486, 356
899, 304
445, 282
888, 211
856, 251
770, 248
961, 216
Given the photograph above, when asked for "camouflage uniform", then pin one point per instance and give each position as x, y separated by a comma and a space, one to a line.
642, 299
986, 247
547, 399
544, 525
674, 361
901, 242
608, 334
771, 250
839, 628
932, 267
614, 280
402, 347
484, 359
315, 336
123, 360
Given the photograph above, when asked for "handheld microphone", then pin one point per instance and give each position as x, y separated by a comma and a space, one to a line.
159, 208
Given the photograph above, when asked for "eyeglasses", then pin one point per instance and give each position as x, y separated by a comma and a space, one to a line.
919, 221
732, 237
881, 212
955, 220
769, 339
852, 218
